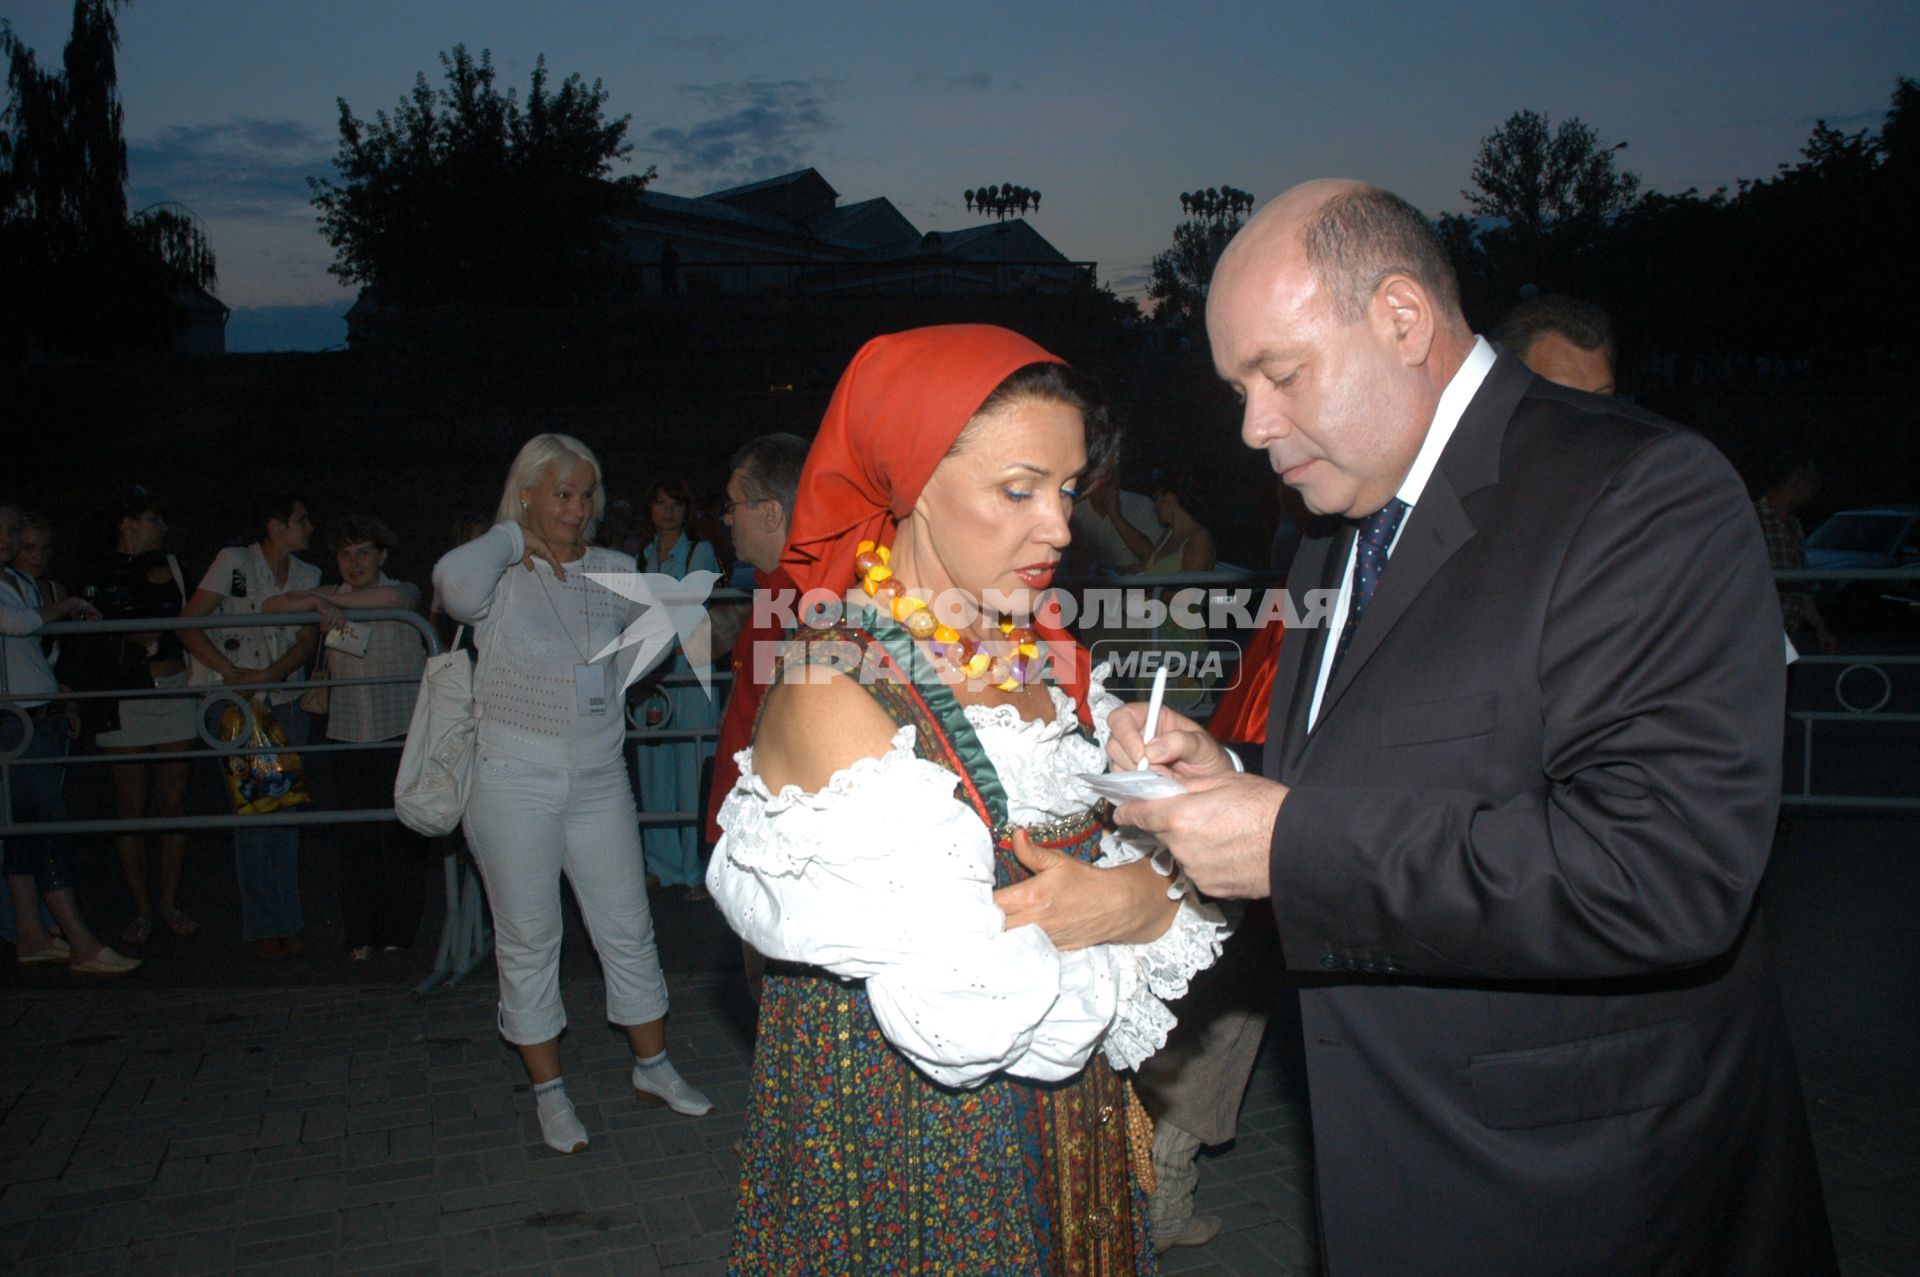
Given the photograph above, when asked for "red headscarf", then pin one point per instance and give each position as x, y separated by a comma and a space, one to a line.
896, 412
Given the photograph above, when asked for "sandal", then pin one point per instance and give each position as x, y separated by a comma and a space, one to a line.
178, 922
105, 962
139, 931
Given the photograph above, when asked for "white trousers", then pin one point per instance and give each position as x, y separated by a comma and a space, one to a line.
527, 824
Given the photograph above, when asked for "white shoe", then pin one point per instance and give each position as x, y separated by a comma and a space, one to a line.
562, 1131
1197, 1231
666, 1086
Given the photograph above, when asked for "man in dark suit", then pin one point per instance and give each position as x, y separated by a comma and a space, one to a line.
1563, 339
1519, 790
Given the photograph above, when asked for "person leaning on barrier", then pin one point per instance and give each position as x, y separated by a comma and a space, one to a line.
266, 860
34, 558
550, 791
382, 864
39, 866
139, 580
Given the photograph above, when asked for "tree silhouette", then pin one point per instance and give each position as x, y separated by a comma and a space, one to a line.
1787, 275
1182, 274
1544, 181
83, 277
1545, 198
464, 194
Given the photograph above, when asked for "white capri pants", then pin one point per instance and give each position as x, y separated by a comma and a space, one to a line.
527, 823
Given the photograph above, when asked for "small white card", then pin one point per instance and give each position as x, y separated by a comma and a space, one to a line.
1126, 787
590, 688
349, 638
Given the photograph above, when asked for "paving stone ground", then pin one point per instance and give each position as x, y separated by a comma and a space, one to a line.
341, 1127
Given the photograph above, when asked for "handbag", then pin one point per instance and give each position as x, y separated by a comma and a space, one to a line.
317, 699
436, 764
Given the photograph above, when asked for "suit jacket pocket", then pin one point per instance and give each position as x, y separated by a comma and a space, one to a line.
1454, 718
1594, 1077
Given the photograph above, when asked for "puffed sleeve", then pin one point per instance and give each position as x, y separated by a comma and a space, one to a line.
885, 876
1162, 968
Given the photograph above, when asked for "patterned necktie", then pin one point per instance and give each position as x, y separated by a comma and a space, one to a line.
1369, 561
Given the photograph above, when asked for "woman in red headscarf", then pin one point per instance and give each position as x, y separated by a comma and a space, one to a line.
934, 1091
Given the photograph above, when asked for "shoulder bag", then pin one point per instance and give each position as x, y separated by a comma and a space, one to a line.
436, 766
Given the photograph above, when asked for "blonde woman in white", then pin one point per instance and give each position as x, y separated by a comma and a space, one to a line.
550, 789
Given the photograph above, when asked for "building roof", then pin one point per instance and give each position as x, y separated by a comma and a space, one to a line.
1011, 240
798, 217
870, 224
796, 178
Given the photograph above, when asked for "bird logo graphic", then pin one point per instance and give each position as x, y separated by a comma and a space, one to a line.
671, 611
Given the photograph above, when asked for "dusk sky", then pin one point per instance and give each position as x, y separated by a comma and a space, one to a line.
1111, 109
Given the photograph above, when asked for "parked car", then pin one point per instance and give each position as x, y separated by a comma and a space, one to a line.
1865, 540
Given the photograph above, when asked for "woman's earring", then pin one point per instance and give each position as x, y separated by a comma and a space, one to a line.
523, 503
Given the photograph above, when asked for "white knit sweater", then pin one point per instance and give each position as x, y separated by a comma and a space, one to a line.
532, 629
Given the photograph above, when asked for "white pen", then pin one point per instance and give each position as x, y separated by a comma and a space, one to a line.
1154, 702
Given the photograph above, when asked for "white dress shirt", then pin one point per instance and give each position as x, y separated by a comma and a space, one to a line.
1446, 416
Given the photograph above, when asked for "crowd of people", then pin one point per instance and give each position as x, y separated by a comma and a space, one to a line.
346, 685
1500, 843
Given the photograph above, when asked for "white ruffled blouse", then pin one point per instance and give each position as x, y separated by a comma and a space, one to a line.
885, 876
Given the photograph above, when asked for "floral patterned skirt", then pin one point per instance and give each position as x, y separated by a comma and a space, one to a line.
858, 1163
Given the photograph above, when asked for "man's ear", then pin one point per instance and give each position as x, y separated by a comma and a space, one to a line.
1403, 314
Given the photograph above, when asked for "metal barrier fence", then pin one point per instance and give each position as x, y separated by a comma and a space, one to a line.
466, 934
1899, 591
465, 937
1230, 589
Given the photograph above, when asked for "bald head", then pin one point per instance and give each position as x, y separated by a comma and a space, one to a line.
1276, 227
1354, 237
1335, 313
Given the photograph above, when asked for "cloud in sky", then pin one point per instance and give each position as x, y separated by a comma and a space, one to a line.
241, 167
753, 129
713, 46
245, 178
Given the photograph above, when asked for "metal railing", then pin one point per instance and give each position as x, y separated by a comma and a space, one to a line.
1901, 593
466, 938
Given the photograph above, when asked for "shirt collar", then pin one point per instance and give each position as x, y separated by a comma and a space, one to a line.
1446, 417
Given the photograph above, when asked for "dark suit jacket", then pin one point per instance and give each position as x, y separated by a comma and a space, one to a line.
1520, 855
